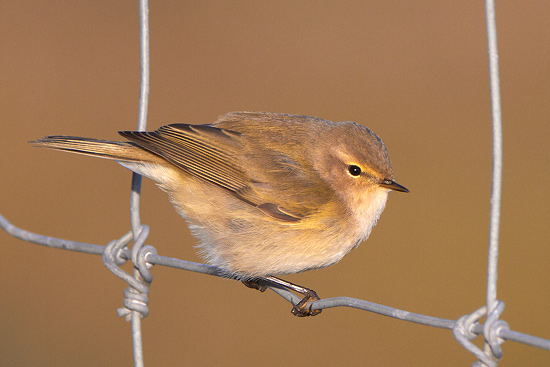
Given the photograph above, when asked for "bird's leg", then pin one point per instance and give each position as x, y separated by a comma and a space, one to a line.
299, 308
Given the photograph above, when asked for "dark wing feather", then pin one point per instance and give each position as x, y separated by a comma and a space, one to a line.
183, 146
209, 153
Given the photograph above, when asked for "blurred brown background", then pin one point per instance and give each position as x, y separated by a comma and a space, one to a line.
414, 72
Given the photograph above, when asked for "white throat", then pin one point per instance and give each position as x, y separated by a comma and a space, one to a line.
367, 209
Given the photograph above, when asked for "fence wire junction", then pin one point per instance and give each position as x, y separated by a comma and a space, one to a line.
143, 257
116, 253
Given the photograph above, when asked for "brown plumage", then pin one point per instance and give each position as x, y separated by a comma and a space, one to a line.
265, 193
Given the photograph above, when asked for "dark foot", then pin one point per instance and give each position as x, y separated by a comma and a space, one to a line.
253, 283
301, 309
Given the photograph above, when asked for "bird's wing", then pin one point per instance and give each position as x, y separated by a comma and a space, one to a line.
217, 156
197, 150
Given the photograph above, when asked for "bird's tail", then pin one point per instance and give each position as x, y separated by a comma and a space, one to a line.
117, 150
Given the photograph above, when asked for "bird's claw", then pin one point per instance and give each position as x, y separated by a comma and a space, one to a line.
302, 309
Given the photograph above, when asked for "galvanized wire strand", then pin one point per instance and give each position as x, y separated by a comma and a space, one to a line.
136, 298
497, 156
49, 241
139, 298
491, 348
142, 108
149, 256
144, 64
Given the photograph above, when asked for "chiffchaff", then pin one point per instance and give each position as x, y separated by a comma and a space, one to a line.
265, 193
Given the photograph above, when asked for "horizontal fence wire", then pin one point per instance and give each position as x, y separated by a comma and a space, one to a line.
116, 253
153, 258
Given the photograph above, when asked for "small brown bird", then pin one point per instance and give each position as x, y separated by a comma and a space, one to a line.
266, 194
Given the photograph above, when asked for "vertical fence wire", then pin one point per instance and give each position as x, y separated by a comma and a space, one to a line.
497, 157
143, 106
492, 258
136, 179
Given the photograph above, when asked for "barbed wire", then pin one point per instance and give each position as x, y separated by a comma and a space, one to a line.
143, 257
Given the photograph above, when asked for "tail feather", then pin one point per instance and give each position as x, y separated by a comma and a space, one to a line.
117, 150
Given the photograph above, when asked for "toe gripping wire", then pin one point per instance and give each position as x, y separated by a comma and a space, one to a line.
467, 327
116, 254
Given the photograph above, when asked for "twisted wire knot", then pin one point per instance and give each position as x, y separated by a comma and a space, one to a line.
136, 301
463, 333
492, 328
117, 253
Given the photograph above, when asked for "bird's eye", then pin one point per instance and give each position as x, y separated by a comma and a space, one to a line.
354, 170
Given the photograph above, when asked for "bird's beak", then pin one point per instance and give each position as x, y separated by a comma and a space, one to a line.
392, 185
